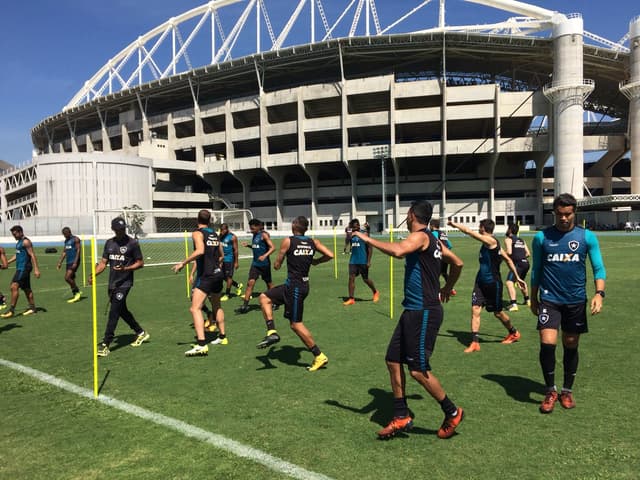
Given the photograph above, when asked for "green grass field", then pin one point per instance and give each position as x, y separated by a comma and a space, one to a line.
324, 422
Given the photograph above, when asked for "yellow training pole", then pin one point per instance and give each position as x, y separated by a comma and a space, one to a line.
94, 313
335, 253
186, 269
84, 270
391, 276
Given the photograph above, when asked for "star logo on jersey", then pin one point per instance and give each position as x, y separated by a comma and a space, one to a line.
574, 245
123, 250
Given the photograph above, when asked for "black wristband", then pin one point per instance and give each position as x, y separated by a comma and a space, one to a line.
600, 292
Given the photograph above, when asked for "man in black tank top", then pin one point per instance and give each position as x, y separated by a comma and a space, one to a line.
413, 340
208, 255
299, 251
519, 253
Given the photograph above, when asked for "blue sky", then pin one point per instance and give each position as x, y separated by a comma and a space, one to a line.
50, 48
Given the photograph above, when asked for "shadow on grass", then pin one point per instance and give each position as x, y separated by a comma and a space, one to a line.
9, 326
286, 354
380, 406
104, 381
122, 341
518, 388
464, 338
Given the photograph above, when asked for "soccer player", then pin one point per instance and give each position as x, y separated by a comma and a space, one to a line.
359, 263
26, 261
123, 255
487, 291
518, 251
3, 266
230, 264
414, 337
72, 253
559, 295
261, 246
299, 251
208, 255
434, 226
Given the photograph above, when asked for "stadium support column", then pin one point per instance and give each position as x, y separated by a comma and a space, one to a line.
631, 89
496, 152
353, 173
278, 180
567, 92
245, 180
313, 172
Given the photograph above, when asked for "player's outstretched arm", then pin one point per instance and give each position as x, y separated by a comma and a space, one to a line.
396, 249
284, 247
326, 253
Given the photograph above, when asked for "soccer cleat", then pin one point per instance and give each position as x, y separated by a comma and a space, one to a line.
528, 303
376, 296
398, 424
318, 362
224, 298
8, 314
30, 311
513, 308
566, 400
243, 309
351, 301
549, 402
473, 347
3, 306
140, 339
103, 350
511, 338
271, 338
449, 425
76, 297
197, 351
453, 292
220, 341
239, 289
212, 328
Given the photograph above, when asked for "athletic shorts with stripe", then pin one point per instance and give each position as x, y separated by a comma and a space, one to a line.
292, 297
487, 295
414, 338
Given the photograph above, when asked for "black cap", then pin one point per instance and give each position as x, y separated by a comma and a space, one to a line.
118, 223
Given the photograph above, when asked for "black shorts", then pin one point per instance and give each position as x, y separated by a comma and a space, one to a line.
23, 279
72, 269
227, 270
488, 295
522, 268
571, 318
359, 269
209, 284
414, 338
292, 297
256, 272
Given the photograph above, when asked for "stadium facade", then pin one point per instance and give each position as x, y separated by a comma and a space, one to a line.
348, 127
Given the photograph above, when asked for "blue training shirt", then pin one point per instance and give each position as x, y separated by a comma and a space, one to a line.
359, 250
259, 247
70, 250
23, 260
227, 247
422, 276
559, 264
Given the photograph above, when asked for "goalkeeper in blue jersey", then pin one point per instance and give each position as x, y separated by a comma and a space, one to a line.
559, 295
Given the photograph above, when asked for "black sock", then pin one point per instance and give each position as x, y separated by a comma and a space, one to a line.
228, 291
75, 290
222, 336
570, 362
400, 407
315, 350
448, 407
245, 303
475, 336
548, 364
513, 330
271, 325
234, 284
513, 301
526, 298
202, 343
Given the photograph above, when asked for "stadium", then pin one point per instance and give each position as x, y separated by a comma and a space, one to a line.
483, 120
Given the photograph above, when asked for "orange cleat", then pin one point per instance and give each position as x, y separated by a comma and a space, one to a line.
398, 424
351, 301
473, 347
376, 296
511, 338
453, 292
549, 402
448, 427
566, 400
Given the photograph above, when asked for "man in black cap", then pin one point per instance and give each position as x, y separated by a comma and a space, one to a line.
123, 255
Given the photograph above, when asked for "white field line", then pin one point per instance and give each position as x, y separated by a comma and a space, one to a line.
218, 441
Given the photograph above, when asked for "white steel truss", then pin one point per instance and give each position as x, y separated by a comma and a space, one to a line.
177, 45
18, 179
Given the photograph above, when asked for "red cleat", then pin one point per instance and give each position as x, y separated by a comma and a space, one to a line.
566, 400
351, 301
398, 424
473, 347
511, 338
549, 402
450, 424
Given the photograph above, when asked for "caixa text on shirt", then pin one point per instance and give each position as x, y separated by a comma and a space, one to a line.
116, 257
563, 257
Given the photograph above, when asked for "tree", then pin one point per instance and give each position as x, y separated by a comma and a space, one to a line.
135, 219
